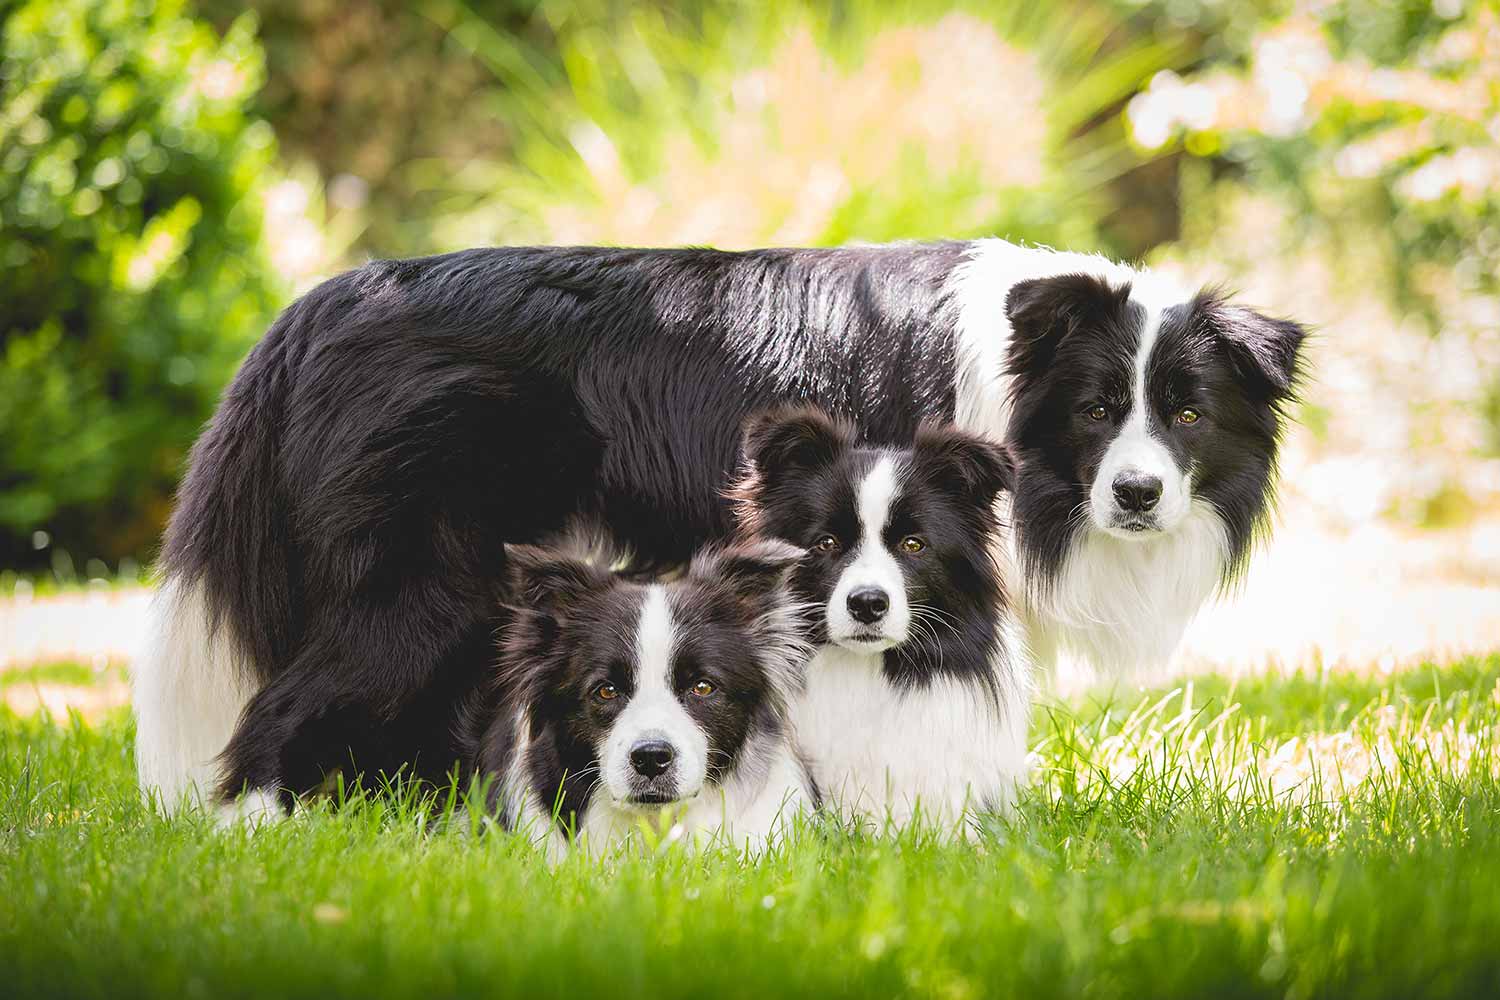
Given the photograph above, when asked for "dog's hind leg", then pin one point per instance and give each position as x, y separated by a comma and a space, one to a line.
341, 700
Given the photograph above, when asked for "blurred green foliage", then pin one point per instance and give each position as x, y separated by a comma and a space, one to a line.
525, 88
1379, 120
806, 122
362, 89
131, 271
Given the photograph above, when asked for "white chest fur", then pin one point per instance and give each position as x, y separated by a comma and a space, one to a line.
1123, 605
879, 753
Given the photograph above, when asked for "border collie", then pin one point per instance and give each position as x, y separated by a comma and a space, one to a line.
917, 702
339, 536
621, 704
1145, 430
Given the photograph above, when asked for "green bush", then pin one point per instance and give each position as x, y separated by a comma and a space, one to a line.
741, 124
132, 275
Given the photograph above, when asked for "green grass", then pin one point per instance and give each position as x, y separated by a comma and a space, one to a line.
1150, 858
68, 672
65, 580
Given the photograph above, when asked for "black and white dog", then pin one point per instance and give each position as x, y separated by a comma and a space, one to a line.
339, 538
620, 703
917, 701
1145, 429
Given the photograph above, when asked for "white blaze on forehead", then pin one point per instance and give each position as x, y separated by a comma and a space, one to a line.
653, 711
874, 565
877, 492
1150, 330
1135, 448
654, 638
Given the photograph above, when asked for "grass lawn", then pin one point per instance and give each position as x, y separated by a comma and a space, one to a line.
1319, 837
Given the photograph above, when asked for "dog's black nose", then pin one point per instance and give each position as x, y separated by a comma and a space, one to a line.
651, 757
1136, 491
868, 605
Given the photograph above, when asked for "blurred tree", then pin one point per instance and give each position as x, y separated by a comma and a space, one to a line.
132, 276
361, 88
1379, 120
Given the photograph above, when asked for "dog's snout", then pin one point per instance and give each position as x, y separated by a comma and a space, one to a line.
868, 605
651, 757
1136, 492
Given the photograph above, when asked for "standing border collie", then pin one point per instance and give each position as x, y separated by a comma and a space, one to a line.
618, 704
333, 559
917, 703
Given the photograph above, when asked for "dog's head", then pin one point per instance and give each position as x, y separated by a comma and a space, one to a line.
1129, 416
645, 694
898, 539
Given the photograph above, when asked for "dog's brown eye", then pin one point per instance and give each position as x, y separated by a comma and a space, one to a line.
703, 689
1188, 415
911, 544
606, 692
826, 544
1097, 412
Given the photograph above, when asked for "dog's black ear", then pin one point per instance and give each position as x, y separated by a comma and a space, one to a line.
971, 468
785, 439
1043, 311
549, 580
753, 568
1266, 352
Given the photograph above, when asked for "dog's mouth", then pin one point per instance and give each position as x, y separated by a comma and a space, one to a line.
649, 795
650, 799
1134, 525
866, 641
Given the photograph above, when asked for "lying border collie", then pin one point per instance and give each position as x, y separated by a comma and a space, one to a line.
917, 702
334, 557
618, 703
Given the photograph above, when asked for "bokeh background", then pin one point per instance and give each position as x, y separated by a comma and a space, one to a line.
172, 173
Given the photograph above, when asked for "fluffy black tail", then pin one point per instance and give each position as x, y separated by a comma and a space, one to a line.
225, 618
230, 534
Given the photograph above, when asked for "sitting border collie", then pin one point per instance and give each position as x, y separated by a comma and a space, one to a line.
918, 700
619, 704
340, 534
